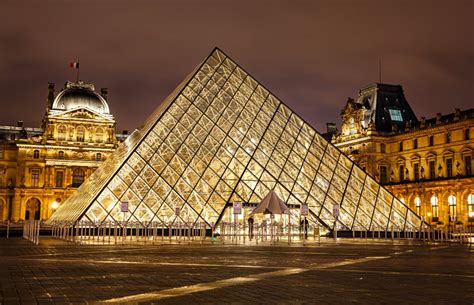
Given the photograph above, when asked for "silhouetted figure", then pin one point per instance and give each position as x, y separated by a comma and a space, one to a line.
304, 226
250, 220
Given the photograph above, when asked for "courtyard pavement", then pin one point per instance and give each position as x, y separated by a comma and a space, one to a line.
362, 271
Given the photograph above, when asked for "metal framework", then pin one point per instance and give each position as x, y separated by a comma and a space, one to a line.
221, 137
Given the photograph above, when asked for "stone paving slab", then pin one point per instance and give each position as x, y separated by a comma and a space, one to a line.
350, 272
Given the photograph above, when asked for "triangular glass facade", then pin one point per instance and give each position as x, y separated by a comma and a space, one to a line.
222, 137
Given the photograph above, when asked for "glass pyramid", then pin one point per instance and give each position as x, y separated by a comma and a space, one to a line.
221, 137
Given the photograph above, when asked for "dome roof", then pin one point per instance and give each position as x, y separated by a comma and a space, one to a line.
80, 95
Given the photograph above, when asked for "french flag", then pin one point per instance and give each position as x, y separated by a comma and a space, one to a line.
74, 65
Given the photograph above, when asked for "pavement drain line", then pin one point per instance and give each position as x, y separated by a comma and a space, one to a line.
180, 291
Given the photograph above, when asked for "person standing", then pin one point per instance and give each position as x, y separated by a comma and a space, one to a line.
250, 220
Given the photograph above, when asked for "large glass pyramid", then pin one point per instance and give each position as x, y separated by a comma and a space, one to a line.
221, 137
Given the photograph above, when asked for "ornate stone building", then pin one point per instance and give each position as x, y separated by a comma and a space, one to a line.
425, 162
41, 167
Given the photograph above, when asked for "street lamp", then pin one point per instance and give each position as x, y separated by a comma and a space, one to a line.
54, 205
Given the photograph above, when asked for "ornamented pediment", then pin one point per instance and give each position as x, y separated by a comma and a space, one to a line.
81, 113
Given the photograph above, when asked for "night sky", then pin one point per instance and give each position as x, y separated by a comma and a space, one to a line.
311, 54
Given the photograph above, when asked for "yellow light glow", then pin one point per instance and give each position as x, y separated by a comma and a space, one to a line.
54, 205
471, 214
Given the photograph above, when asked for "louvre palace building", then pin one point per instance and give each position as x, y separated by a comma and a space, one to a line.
425, 162
41, 167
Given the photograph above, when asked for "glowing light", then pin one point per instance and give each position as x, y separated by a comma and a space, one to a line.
54, 205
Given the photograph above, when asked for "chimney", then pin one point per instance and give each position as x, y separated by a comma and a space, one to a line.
331, 127
457, 114
103, 92
19, 124
438, 118
50, 98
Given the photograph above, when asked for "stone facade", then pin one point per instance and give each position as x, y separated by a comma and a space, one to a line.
427, 163
41, 167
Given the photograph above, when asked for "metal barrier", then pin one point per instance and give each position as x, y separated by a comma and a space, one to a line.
31, 230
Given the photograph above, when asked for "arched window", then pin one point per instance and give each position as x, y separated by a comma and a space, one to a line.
36, 154
434, 207
470, 207
99, 135
418, 205
80, 132
98, 157
452, 207
61, 154
61, 133
77, 177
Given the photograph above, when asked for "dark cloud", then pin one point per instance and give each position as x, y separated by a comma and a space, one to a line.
312, 54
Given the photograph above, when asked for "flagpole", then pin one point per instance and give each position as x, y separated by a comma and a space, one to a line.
78, 67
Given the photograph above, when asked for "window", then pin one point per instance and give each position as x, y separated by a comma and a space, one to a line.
401, 173
35, 173
396, 115
418, 205
416, 169
1, 152
99, 135
452, 207
77, 177
36, 154
467, 165
98, 157
470, 207
400, 146
80, 132
434, 207
382, 148
61, 133
61, 154
449, 167
448, 137
467, 134
383, 174
59, 178
432, 165
415, 144
431, 140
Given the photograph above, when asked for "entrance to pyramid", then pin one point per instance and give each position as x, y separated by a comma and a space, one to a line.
219, 138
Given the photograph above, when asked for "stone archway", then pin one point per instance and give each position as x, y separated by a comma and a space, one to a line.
33, 209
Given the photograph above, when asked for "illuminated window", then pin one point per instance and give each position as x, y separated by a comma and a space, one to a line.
61, 154
452, 206
418, 205
35, 173
36, 154
98, 157
470, 207
434, 207
396, 115
77, 177
99, 135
